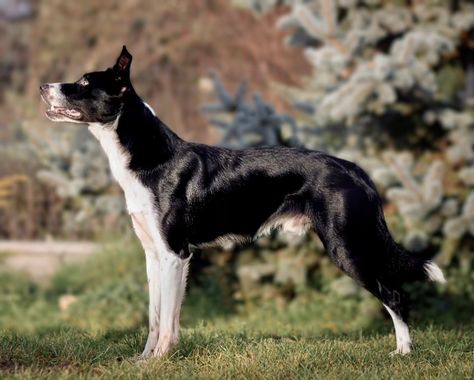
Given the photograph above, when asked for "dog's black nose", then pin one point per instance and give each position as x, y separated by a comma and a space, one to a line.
44, 87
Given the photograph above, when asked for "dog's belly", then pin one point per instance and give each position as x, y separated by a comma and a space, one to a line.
295, 224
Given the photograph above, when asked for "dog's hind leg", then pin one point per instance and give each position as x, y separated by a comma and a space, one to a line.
392, 297
371, 277
153, 275
395, 301
350, 223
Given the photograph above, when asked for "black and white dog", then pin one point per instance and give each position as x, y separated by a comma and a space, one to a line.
181, 194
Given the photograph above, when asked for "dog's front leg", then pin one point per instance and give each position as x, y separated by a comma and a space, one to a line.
173, 273
153, 275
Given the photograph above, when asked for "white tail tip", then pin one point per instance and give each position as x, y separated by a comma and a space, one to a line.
434, 272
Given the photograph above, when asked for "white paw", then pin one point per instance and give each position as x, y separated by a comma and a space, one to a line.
402, 349
147, 353
150, 344
164, 345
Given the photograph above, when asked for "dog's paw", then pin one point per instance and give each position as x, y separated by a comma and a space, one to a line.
402, 349
140, 359
145, 355
165, 344
150, 345
147, 352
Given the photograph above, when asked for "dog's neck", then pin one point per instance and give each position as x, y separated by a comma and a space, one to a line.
145, 139
137, 145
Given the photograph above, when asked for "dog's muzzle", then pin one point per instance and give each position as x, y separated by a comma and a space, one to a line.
52, 96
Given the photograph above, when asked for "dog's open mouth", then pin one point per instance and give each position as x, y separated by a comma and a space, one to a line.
55, 112
70, 113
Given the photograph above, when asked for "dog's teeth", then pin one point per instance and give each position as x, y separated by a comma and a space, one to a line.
73, 113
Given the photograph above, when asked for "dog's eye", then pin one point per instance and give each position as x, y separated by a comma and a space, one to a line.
83, 82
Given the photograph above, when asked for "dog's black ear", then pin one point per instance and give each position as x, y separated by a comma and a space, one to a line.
124, 61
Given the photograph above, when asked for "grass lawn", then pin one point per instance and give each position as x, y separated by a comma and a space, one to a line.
316, 336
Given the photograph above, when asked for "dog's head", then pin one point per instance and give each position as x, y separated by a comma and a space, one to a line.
97, 97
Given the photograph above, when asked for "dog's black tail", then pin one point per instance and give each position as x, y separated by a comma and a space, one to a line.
409, 267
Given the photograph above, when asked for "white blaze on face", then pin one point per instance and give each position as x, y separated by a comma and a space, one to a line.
54, 95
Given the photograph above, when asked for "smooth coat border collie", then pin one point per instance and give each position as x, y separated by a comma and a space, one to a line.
181, 194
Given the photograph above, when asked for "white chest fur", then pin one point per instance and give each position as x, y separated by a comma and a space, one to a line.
139, 199
137, 196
